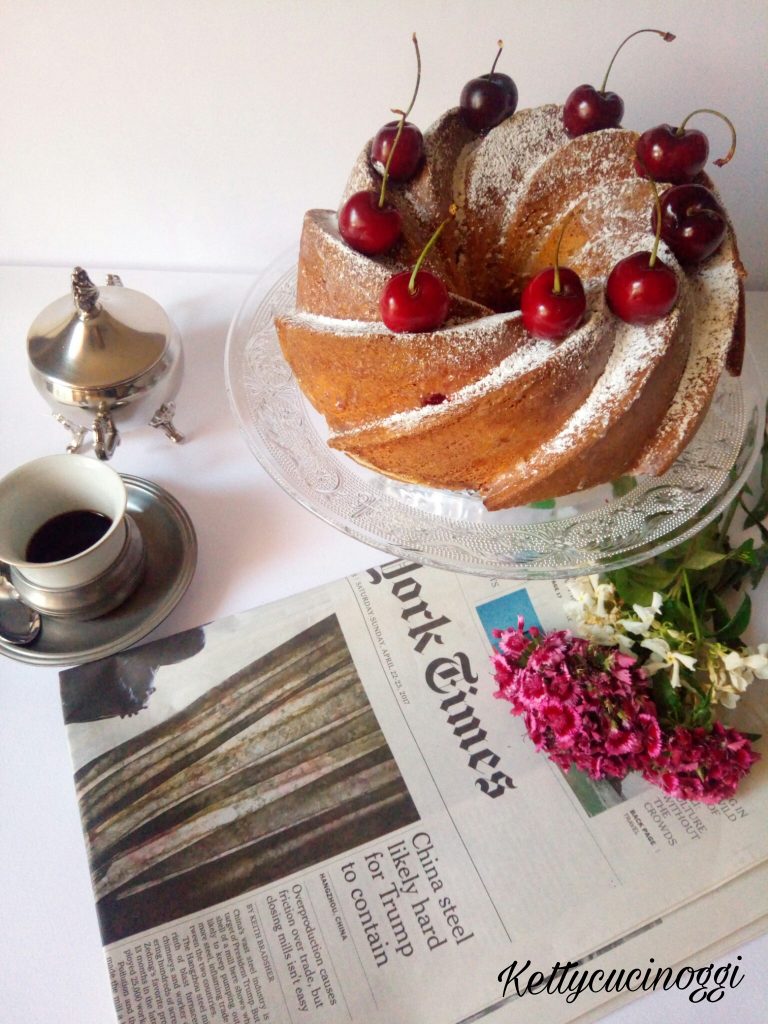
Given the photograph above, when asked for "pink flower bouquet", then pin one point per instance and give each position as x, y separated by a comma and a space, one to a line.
591, 707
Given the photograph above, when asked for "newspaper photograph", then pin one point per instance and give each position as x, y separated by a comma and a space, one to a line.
319, 810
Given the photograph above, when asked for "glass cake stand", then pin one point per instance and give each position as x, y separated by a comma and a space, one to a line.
605, 527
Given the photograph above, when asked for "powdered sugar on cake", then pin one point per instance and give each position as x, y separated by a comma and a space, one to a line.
515, 188
715, 297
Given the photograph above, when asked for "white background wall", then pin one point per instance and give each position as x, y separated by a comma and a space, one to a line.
194, 133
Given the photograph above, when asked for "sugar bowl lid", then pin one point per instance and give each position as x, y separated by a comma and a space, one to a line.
98, 338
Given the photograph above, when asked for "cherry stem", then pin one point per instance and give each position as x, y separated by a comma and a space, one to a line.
666, 36
708, 110
452, 209
418, 76
556, 283
657, 202
500, 45
403, 115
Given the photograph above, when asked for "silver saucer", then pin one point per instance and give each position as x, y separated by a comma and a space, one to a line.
170, 547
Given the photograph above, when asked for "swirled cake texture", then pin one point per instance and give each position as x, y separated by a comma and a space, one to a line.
481, 404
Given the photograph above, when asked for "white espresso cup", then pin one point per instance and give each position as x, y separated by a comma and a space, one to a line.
46, 494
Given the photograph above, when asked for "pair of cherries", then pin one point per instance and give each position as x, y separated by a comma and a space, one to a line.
691, 221
640, 288
367, 222
665, 153
416, 300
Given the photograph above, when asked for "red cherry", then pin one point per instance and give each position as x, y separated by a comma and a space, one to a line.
666, 155
693, 223
589, 110
397, 149
488, 100
640, 291
416, 300
367, 226
423, 309
679, 154
549, 312
408, 154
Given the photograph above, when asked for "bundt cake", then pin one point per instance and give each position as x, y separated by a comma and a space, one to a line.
480, 403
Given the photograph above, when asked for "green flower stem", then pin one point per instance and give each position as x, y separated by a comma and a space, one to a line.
691, 605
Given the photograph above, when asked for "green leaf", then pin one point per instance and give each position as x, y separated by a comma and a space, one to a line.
654, 574
623, 486
666, 698
745, 552
720, 614
678, 613
702, 715
755, 517
759, 566
733, 629
631, 586
703, 559
544, 503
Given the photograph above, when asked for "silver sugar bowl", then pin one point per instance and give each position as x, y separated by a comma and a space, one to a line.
106, 357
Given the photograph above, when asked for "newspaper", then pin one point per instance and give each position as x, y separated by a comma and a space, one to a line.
317, 810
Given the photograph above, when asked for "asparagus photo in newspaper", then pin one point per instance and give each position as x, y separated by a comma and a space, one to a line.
319, 809
282, 763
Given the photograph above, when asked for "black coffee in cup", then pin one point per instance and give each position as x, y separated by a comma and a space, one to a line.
66, 535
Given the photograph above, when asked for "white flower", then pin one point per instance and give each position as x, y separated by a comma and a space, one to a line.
583, 588
604, 595
590, 597
663, 657
757, 661
606, 635
625, 643
722, 690
594, 613
732, 672
738, 672
646, 616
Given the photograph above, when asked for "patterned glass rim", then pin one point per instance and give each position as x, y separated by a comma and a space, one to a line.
603, 528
